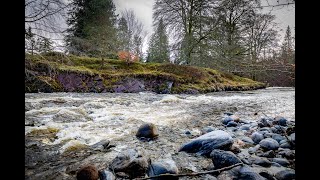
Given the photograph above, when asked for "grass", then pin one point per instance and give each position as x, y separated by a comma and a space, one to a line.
112, 71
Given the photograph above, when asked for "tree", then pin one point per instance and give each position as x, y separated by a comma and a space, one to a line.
159, 45
287, 51
92, 27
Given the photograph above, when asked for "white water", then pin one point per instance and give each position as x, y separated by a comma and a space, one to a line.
88, 118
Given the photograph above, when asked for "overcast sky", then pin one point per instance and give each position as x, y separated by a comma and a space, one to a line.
285, 15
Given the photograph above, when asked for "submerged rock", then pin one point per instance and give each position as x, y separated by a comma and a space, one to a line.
163, 166
203, 145
269, 144
147, 130
222, 158
89, 172
130, 162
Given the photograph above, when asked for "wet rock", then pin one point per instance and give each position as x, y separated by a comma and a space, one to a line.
269, 144
257, 137
266, 129
222, 158
147, 130
247, 173
268, 154
285, 175
106, 175
266, 175
268, 135
264, 123
203, 145
280, 121
244, 127
232, 124
102, 145
275, 164
163, 166
188, 132
130, 162
226, 120
89, 172
285, 144
278, 137
254, 149
208, 177
229, 174
264, 162
281, 161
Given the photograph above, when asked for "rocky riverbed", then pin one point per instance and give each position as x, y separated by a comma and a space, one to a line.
67, 131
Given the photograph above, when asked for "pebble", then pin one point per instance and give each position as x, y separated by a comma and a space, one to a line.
269, 144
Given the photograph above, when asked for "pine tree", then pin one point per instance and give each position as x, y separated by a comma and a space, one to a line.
92, 27
159, 45
287, 52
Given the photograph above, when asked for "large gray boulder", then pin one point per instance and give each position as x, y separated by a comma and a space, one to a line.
203, 145
163, 166
222, 158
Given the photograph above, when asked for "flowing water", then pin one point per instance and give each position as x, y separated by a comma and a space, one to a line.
59, 126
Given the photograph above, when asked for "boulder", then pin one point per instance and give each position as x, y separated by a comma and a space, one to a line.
89, 172
130, 162
256, 137
203, 145
148, 131
221, 158
269, 144
163, 166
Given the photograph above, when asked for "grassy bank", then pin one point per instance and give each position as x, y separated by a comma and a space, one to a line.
44, 70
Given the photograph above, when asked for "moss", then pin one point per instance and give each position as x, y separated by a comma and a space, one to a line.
112, 71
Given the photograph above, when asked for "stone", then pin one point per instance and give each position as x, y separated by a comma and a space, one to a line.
264, 162
188, 132
208, 177
148, 131
226, 120
131, 162
221, 158
106, 175
292, 138
244, 127
285, 144
89, 172
278, 137
264, 123
203, 145
163, 166
268, 135
256, 137
269, 144
102, 145
247, 173
266, 175
281, 161
289, 154
288, 174
232, 124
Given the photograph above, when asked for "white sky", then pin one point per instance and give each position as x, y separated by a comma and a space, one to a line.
285, 15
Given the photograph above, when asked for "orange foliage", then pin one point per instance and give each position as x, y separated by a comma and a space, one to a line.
128, 57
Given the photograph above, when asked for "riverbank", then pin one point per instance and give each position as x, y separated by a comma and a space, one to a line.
61, 128
61, 73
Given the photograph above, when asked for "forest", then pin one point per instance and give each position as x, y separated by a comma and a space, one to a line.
233, 36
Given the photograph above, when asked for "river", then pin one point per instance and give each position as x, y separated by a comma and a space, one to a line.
59, 126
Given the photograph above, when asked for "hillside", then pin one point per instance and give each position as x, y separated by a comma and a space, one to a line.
55, 72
